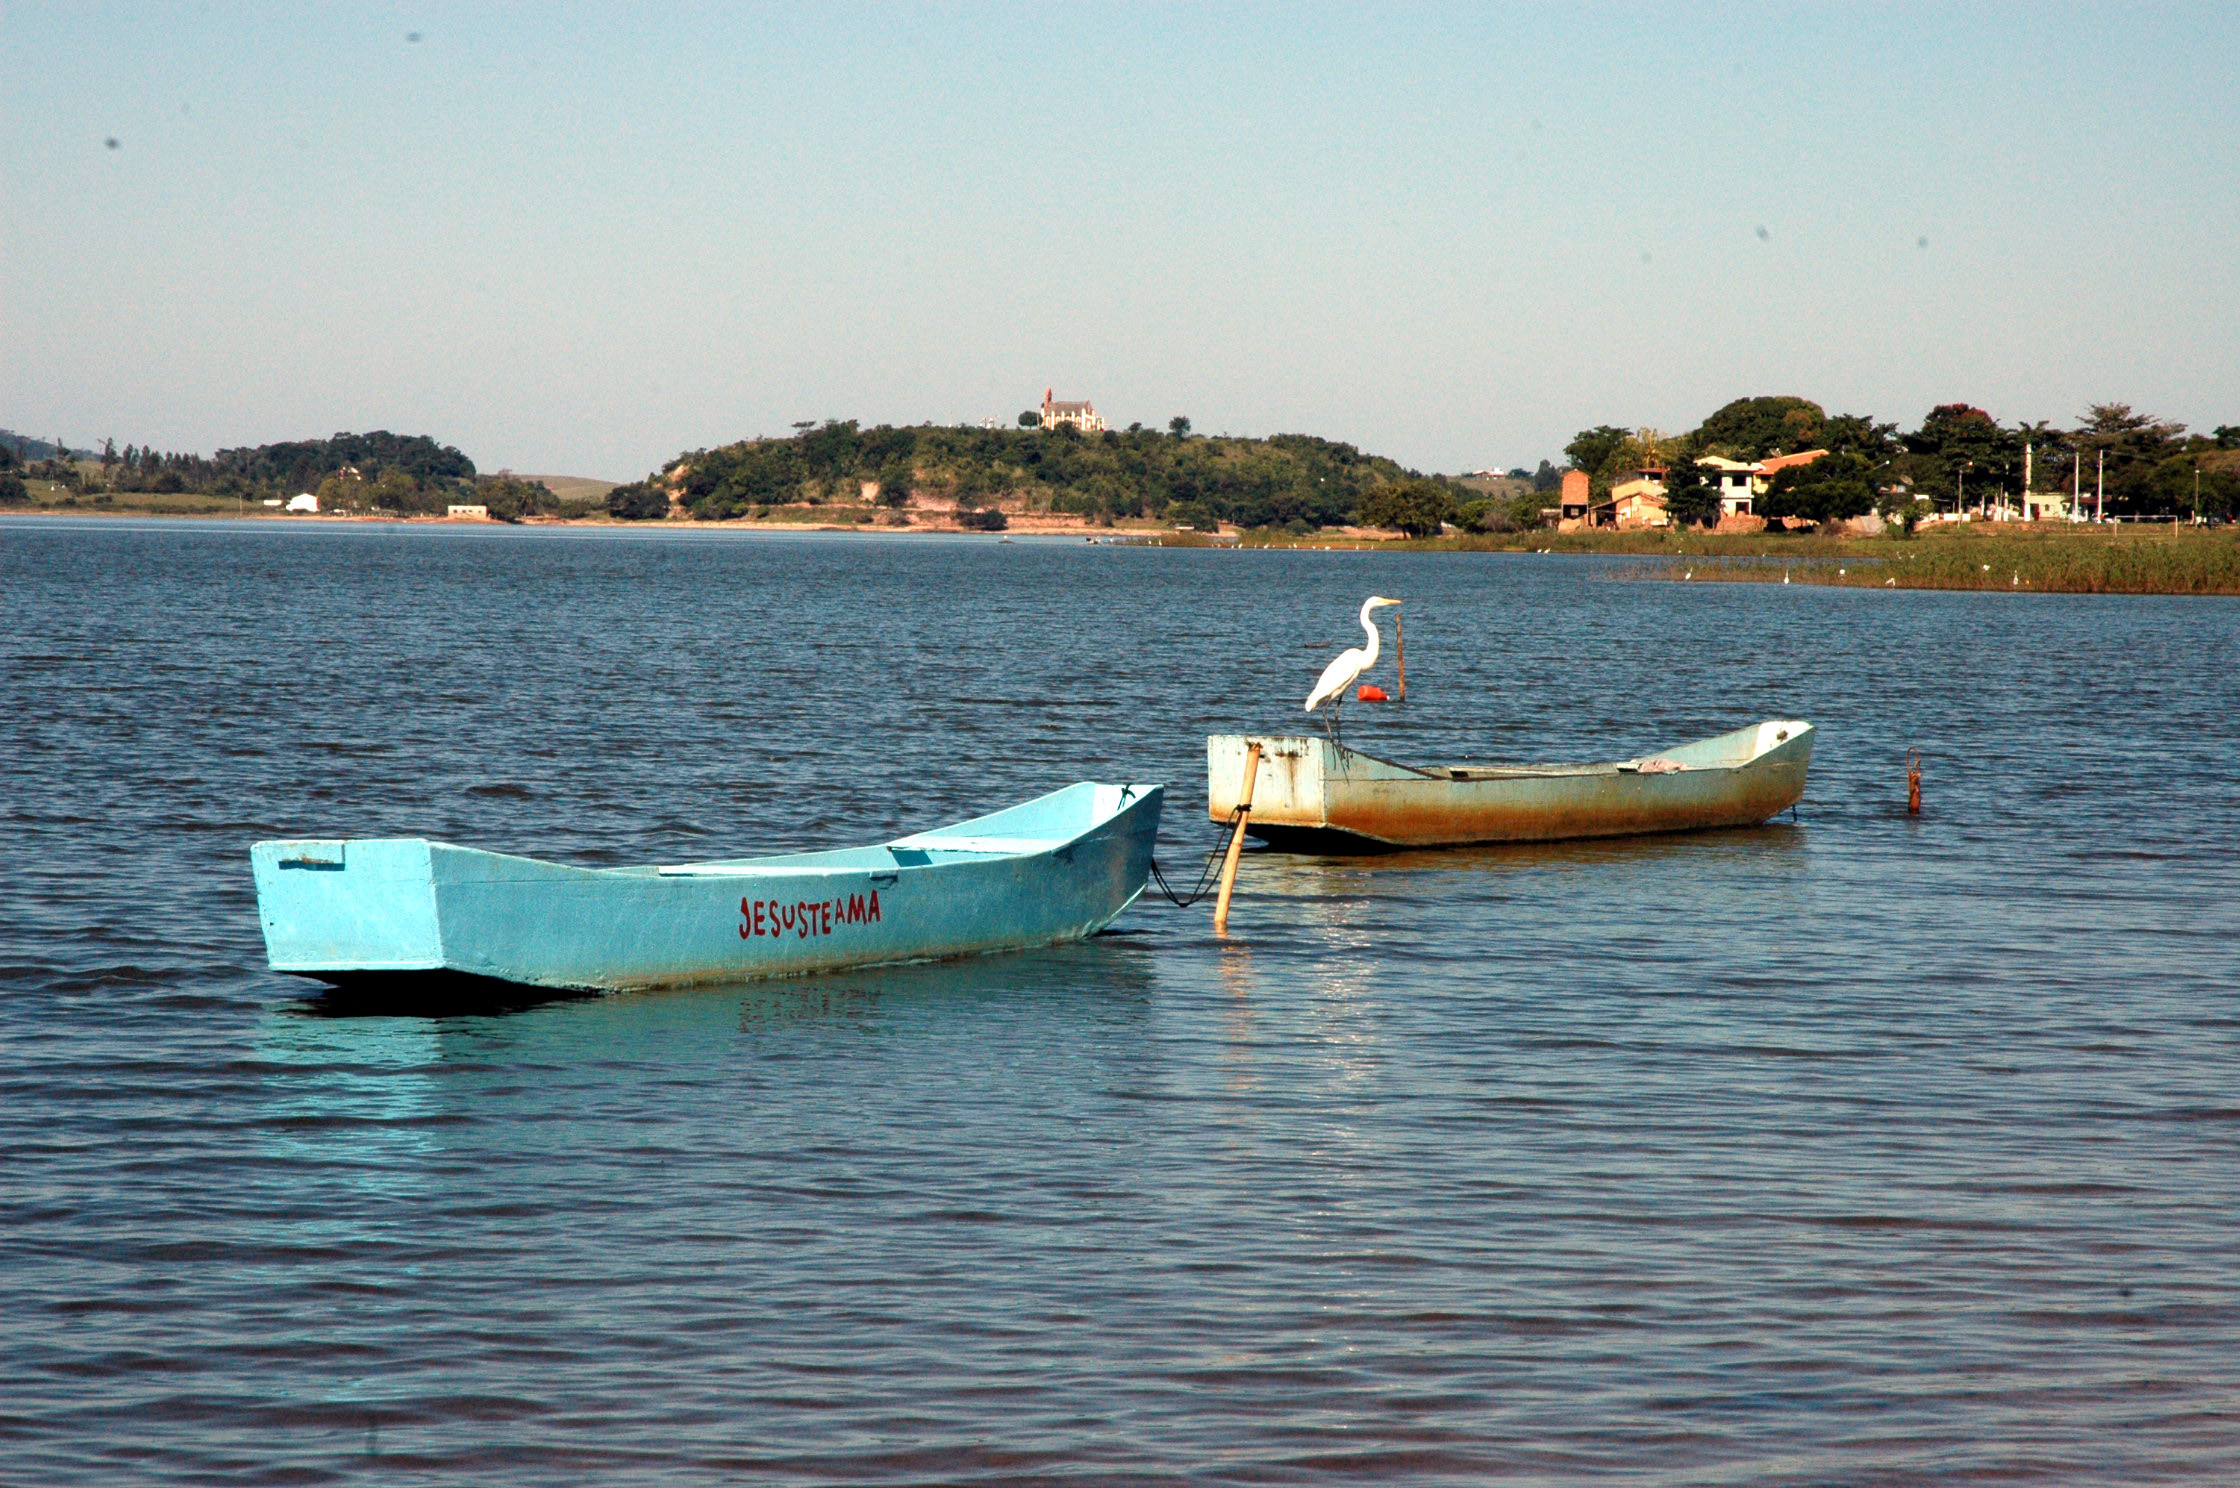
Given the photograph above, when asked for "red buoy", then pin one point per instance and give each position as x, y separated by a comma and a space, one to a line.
1369, 692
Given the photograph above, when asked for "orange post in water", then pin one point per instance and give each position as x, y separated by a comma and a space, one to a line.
1913, 782
1236, 840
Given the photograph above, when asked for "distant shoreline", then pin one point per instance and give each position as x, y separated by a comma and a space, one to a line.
2038, 558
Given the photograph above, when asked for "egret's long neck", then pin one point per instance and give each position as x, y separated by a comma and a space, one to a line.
1370, 626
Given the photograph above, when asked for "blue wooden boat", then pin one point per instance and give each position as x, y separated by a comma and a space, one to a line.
402, 915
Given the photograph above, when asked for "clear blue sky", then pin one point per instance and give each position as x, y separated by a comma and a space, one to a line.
577, 239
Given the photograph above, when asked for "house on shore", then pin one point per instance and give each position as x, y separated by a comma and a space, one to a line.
1638, 500
1575, 501
1082, 415
1734, 480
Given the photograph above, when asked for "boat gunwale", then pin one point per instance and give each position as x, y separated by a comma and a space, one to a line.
788, 865
1494, 772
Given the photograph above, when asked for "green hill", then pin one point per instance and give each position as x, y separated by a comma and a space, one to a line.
1285, 480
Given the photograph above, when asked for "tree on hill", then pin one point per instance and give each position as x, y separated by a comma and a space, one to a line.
511, 498
1833, 488
1417, 507
894, 486
1959, 454
1857, 434
638, 501
1753, 428
1689, 496
2132, 446
1591, 450
2201, 483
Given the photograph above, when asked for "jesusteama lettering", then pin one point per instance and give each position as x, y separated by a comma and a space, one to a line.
805, 917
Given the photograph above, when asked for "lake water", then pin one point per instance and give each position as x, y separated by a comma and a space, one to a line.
1857, 1149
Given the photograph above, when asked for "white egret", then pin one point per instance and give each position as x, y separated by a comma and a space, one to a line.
1348, 665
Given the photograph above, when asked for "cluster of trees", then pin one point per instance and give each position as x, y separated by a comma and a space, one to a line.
400, 474
22, 458
12, 489
302, 465
1959, 457
1288, 481
379, 471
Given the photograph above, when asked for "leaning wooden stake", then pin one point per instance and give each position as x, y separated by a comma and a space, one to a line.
1236, 841
1400, 644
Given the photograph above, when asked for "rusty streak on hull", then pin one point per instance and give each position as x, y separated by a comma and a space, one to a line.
1316, 796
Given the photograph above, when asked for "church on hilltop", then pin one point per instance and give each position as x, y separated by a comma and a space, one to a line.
1082, 416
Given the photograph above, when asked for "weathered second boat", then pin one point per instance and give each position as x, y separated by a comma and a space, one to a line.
389, 915
1313, 795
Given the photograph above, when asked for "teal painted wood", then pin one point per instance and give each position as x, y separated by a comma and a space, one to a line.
1056, 868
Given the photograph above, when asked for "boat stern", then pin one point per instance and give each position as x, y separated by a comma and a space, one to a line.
365, 904
1287, 789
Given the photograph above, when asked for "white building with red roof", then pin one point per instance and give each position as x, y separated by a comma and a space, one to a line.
1082, 415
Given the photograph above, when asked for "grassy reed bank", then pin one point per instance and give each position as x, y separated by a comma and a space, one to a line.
2123, 561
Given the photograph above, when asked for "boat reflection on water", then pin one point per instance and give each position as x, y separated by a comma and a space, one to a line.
431, 994
1501, 869
1097, 978
1774, 841
1352, 915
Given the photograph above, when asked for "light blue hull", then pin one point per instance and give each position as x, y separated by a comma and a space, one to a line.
373, 911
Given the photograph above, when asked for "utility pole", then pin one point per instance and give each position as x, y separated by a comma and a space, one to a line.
2027, 451
2100, 490
2076, 485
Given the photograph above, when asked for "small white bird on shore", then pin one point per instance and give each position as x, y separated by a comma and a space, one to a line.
1347, 666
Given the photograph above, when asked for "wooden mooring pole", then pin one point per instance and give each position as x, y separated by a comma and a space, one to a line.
1400, 645
1236, 840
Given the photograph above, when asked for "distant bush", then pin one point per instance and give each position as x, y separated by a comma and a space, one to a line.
1417, 507
511, 498
1494, 514
990, 520
639, 501
395, 490
13, 492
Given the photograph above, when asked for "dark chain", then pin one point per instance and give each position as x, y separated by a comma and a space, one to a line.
1206, 877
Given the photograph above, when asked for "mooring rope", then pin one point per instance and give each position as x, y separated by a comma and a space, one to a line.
1212, 870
